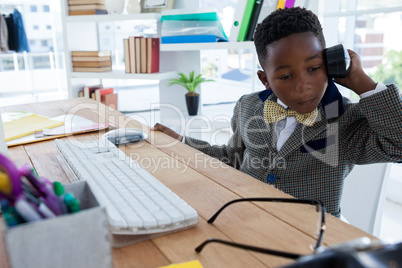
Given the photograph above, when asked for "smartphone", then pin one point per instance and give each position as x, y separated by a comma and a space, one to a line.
337, 60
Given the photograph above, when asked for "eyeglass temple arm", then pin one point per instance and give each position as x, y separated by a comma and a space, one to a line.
247, 247
323, 227
265, 199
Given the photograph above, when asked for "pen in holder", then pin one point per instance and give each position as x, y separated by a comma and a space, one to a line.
72, 240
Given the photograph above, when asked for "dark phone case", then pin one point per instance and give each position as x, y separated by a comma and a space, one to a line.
337, 60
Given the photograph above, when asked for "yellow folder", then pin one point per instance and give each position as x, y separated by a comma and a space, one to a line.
27, 125
281, 4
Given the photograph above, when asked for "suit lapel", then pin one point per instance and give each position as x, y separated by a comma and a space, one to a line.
267, 130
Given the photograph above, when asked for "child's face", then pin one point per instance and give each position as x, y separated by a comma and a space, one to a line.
295, 71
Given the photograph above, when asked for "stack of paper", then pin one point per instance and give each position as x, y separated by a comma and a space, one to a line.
22, 127
27, 125
191, 26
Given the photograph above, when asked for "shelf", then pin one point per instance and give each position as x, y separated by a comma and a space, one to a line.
205, 46
120, 74
113, 17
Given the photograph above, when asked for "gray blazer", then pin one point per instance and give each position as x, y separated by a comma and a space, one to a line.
314, 161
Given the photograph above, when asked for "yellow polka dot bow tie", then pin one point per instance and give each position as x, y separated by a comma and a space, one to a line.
274, 112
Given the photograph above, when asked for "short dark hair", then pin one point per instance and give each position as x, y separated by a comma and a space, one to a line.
282, 23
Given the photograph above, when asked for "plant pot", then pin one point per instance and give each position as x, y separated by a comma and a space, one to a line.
192, 103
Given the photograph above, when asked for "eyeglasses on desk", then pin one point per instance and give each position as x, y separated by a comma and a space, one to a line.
312, 206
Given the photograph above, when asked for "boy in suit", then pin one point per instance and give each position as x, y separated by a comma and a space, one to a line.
300, 134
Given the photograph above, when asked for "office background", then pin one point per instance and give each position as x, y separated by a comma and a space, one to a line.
369, 27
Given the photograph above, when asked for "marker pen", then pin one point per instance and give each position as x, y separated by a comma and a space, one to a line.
26, 211
39, 204
73, 205
10, 219
42, 187
28, 188
45, 210
10, 215
59, 191
31, 197
4, 204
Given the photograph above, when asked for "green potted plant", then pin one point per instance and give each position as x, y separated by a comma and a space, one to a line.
190, 83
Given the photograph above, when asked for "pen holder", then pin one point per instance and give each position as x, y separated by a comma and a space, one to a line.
80, 239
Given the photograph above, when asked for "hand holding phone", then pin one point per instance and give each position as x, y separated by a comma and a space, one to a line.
339, 66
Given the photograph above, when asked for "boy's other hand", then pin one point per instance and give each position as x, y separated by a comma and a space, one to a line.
356, 79
167, 131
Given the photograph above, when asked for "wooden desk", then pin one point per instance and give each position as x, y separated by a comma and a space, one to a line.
204, 184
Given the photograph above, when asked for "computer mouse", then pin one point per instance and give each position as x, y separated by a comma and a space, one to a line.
125, 135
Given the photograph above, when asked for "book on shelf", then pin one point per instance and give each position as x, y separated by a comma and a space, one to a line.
95, 53
87, 90
143, 53
237, 19
92, 69
137, 46
127, 62
91, 63
289, 3
281, 4
299, 3
85, 2
153, 55
102, 91
87, 12
267, 8
132, 54
86, 7
246, 20
261, 9
102, 58
98, 93
253, 20
110, 100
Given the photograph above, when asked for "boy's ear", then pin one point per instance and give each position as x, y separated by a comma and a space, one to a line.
263, 78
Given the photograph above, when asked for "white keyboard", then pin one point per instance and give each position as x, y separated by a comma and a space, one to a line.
136, 202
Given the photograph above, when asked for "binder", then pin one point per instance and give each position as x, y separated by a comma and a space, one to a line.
246, 20
237, 19
203, 14
254, 18
281, 4
189, 39
289, 3
299, 3
191, 26
268, 6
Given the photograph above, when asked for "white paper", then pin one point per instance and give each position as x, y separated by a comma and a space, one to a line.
3, 145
